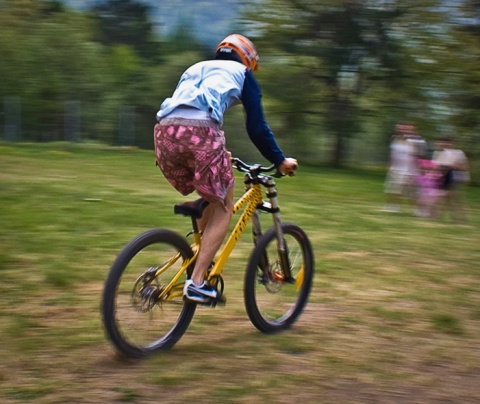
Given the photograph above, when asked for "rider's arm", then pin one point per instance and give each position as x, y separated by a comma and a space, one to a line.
259, 132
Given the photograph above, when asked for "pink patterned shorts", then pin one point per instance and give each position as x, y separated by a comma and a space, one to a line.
192, 156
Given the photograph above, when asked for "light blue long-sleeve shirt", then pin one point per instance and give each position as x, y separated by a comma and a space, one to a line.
213, 87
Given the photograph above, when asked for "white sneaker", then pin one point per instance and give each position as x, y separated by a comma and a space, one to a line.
199, 293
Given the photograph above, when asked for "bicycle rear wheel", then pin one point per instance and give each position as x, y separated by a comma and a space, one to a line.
274, 302
135, 320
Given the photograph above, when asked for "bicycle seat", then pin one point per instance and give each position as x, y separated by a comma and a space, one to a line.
194, 208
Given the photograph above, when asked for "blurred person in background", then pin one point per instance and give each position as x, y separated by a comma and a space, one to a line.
429, 182
400, 185
455, 173
420, 152
190, 144
420, 145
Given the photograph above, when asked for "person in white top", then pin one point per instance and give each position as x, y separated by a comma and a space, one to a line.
399, 183
455, 170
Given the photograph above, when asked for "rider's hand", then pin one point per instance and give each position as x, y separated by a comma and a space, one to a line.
288, 166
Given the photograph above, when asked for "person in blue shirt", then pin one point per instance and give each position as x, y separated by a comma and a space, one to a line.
190, 144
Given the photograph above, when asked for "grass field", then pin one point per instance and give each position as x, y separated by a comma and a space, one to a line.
394, 314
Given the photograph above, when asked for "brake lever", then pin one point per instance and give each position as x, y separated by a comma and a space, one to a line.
279, 174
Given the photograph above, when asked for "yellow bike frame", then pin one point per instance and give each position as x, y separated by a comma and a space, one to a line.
252, 198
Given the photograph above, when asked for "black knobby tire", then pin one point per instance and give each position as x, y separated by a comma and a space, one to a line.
138, 326
273, 304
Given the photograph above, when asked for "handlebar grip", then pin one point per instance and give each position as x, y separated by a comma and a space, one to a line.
279, 174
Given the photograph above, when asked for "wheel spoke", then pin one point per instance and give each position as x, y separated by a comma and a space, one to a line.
140, 314
274, 302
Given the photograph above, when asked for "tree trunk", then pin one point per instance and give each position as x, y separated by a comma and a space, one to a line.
338, 152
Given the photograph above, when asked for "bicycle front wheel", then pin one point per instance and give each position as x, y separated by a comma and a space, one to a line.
273, 299
137, 320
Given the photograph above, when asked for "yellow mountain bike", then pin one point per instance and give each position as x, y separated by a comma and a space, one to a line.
143, 306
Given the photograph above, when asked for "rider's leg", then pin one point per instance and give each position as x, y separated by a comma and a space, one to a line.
215, 222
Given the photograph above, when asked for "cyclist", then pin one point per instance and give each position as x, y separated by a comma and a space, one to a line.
190, 144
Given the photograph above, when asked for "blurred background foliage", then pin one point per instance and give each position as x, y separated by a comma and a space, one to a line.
336, 75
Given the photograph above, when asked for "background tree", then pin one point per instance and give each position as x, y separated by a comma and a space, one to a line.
49, 58
465, 90
346, 49
127, 22
336, 75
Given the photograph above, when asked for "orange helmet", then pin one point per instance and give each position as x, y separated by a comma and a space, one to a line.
243, 47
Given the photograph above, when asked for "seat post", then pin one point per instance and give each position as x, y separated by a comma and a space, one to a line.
194, 225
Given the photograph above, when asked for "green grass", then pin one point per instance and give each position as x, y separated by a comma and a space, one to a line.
393, 315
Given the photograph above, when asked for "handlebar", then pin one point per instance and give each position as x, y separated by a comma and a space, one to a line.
244, 167
255, 168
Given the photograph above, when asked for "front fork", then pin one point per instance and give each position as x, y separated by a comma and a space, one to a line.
282, 248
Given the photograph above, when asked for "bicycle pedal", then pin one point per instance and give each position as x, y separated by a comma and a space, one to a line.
221, 301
